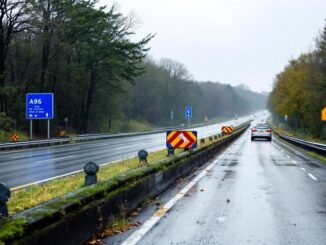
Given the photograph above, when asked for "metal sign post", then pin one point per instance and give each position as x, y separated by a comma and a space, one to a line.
171, 117
48, 129
31, 129
323, 118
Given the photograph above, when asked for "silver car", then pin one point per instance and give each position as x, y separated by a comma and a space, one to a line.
261, 131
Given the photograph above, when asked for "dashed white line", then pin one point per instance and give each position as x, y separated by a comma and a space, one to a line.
16, 157
287, 156
151, 222
54, 159
282, 151
71, 149
295, 162
311, 176
303, 169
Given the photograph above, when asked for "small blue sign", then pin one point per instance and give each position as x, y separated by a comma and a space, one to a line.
286, 118
39, 106
188, 112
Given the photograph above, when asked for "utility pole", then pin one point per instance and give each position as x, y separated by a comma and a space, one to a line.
66, 121
171, 117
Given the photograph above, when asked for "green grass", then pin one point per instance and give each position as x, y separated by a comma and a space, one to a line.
300, 135
36, 194
11, 228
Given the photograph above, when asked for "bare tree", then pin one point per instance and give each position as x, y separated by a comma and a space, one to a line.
175, 69
13, 16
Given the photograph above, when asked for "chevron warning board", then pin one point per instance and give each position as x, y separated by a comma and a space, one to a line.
14, 137
227, 129
323, 114
181, 139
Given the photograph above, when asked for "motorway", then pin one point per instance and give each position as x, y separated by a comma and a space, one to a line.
33, 165
252, 193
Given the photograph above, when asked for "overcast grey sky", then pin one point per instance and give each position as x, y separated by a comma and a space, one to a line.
230, 41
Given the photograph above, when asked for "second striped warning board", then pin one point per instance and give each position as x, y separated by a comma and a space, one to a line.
14, 137
181, 139
227, 129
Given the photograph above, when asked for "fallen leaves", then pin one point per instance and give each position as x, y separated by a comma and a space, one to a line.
119, 229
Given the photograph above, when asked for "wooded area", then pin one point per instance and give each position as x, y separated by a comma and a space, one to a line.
99, 76
300, 91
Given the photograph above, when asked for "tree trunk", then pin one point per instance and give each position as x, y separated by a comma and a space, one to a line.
89, 101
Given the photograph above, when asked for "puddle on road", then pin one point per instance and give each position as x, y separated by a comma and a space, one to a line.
311, 164
279, 163
228, 174
229, 162
236, 154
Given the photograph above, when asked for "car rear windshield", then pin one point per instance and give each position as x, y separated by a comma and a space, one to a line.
262, 127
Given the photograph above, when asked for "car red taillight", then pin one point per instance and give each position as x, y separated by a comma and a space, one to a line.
253, 130
268, 130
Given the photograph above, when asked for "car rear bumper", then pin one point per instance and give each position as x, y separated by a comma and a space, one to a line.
261, 135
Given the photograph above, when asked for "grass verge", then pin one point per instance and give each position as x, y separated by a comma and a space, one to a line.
37, 194
298, 134
309, 153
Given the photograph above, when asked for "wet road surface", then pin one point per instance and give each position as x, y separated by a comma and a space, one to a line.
26, 166
256, 193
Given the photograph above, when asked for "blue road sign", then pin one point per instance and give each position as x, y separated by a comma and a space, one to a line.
188, 112
39, 106
286, 118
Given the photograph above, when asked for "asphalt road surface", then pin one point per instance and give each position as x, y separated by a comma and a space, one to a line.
22, 167
253, 193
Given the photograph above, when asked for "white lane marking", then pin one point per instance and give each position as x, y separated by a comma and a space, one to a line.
303, 169
71, 149
288, 156
54, 159
282, 151
45, 180
17, 157
295, 162
151, 222
311, 176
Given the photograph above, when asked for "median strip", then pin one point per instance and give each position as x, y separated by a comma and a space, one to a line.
122, 185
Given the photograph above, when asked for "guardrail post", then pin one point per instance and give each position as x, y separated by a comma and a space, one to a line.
4, 196
91, 168
142, 155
